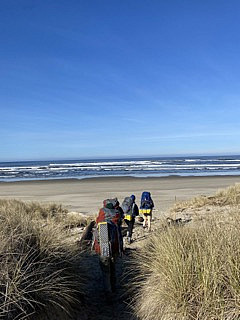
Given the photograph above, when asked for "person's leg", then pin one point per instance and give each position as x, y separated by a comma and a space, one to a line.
149, 222
130, 228
127, 223
129, 231
144, 221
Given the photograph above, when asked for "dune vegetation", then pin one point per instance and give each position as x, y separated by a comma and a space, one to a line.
228, 196
192, 271
40, 272
184, 272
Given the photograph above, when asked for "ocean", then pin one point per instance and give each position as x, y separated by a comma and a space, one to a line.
135, 167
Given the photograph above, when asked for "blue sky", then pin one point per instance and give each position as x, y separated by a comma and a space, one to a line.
83, 79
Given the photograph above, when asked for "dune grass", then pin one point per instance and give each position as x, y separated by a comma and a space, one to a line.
192, 272
224, 197
39, 270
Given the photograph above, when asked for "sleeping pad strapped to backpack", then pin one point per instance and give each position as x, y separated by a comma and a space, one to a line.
107, 235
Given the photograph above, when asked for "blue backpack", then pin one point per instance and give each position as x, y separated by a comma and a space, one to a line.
146, 200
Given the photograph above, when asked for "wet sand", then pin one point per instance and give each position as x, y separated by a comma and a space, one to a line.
86, 195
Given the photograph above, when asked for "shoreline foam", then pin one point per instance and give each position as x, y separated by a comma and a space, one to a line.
113, 177
148, 167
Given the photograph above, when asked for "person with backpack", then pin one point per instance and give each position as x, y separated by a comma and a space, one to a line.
146, 209
130, 210
119, 210
107, 241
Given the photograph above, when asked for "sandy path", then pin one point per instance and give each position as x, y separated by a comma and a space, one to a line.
116, 306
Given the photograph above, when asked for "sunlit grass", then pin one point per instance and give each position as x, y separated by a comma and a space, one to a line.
192, 272
224, 197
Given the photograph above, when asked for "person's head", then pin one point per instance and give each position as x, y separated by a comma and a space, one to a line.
115, 202
111, 203
133, 197
109, 206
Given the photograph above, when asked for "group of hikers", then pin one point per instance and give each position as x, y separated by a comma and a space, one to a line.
107, 236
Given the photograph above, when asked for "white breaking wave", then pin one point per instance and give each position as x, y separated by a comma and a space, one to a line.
152, 167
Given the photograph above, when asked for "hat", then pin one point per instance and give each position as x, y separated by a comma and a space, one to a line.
133, 197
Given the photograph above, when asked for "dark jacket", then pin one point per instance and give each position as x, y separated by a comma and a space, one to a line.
135, 211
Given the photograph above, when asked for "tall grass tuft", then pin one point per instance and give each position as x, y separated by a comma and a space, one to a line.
191, 272
39, 271
229, 196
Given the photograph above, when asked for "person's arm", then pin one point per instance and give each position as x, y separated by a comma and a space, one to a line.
136, 211
152, 204
121, 213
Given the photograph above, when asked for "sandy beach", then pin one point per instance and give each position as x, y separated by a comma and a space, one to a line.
86, 195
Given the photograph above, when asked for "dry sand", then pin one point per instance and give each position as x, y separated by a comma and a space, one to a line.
86, 195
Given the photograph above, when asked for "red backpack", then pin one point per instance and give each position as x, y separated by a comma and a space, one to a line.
111, 217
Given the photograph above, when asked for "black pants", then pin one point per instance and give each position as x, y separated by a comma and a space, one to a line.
130, 225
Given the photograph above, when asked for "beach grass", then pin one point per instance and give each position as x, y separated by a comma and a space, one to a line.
227, 196
39, 271
192, 272
185, 272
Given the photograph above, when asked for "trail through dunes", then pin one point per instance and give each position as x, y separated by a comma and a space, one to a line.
116, 306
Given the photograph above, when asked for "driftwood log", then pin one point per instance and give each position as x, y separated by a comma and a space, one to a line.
177, 222
86, 237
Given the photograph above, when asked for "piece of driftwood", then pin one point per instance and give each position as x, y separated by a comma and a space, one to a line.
177, 222
86, 237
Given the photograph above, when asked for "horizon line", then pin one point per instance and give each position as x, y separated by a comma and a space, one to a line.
120, 157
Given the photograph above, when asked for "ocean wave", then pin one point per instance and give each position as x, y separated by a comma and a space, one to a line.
134, 167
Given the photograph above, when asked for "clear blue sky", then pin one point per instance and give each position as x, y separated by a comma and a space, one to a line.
82, 79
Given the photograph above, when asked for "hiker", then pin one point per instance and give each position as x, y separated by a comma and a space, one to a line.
130, 210
146, 209
120, 214
107, 240
119, 210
